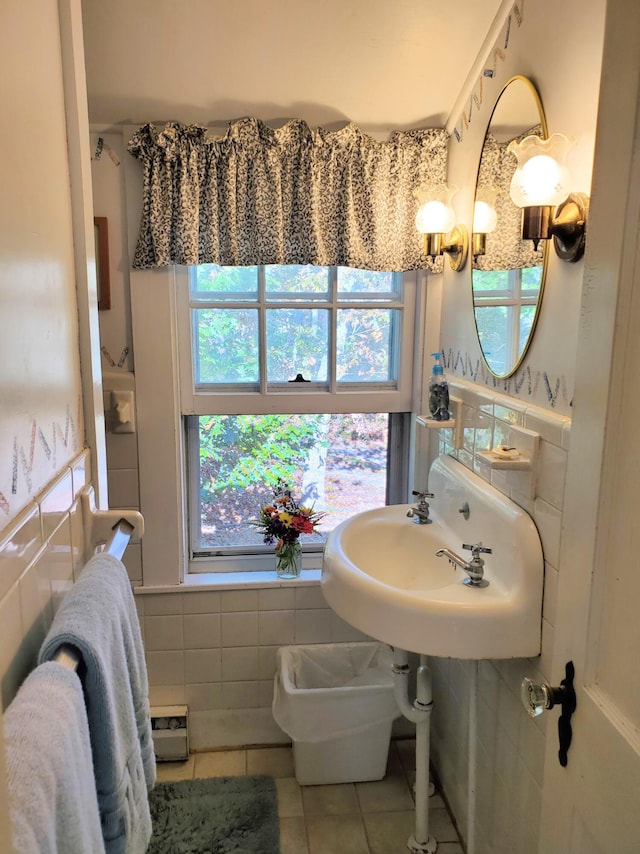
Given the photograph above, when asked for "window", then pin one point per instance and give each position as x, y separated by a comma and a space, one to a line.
505, 308
293, 372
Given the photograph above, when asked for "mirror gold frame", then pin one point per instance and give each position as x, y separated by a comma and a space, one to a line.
508, 274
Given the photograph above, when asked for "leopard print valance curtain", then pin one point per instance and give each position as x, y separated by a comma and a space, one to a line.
505, 248
291, 195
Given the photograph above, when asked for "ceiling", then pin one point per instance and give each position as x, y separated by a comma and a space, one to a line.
383, 64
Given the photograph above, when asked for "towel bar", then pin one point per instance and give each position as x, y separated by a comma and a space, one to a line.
116, 545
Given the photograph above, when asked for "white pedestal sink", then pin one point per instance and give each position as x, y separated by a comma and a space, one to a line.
380, 573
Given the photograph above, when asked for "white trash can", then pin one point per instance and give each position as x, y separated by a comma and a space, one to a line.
337, 703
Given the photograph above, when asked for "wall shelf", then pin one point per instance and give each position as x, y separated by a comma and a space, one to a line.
497, 462
454, 423
432, 424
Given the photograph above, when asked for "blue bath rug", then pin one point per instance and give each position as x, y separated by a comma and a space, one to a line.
219, 815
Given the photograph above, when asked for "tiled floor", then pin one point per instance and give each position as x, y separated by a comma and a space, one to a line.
347, 818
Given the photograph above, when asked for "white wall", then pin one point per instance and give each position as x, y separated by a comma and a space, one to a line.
211, 61
560, 49
41, 422
43, 467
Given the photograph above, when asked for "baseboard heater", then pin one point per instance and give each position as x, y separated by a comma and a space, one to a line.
170, 732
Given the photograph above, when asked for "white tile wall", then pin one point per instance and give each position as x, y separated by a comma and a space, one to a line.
511, 745
217, 650
14, 663
19, 544
312, 626
122, 470
276, 627
241, 600
41, 551
240, 629
203, 665
201, 631
123, 488
240, 664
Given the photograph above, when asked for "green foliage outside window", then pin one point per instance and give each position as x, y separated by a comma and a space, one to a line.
240, 451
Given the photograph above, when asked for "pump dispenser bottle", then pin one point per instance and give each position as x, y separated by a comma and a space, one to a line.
438, 392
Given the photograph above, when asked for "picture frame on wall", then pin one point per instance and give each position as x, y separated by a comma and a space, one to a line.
101, 232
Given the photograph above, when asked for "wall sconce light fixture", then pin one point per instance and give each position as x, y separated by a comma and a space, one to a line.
437, 222
485, 219
541, 183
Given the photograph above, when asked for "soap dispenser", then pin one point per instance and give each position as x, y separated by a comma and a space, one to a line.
438, 392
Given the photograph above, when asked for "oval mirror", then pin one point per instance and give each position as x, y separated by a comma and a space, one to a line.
508, 273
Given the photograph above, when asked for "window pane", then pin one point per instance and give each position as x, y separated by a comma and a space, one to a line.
337, 463
365, 345
527, 313
302, 282
297, 343
494, 329
491, 280
367, 283
216, 361
531, 278
210, 281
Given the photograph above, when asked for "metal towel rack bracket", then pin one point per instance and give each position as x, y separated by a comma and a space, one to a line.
113, 529
102, 526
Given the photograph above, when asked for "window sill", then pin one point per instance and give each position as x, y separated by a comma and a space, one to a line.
197, 581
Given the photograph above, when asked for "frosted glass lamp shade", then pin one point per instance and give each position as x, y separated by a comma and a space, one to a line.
485, 217
541, 177
435, 214
435, 217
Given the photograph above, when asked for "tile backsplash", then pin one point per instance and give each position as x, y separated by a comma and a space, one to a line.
216, 652
41, 552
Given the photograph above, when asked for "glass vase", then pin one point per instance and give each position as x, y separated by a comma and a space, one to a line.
289, 560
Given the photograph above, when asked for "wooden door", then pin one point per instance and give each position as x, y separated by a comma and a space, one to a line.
593, 805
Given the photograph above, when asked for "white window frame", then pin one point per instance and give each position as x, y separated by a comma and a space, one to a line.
334, 397
301, 399
514, 296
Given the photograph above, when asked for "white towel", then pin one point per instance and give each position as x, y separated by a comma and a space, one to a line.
98, 617
52, 793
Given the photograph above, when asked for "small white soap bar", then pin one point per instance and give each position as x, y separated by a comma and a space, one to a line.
506, 452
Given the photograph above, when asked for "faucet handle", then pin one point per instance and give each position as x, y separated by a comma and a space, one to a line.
477, 548
422, 495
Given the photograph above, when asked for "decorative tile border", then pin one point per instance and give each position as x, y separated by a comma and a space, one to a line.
23, 455
525, 383
110, 359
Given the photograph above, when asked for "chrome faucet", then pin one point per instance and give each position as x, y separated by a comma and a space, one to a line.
420, 513
474, 567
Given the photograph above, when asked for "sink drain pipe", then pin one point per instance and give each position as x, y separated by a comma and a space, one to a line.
473, 760
419, 713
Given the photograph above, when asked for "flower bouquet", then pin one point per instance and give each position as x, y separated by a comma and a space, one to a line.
281, 522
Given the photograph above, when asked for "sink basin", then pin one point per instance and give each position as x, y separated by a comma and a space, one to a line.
380, 573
